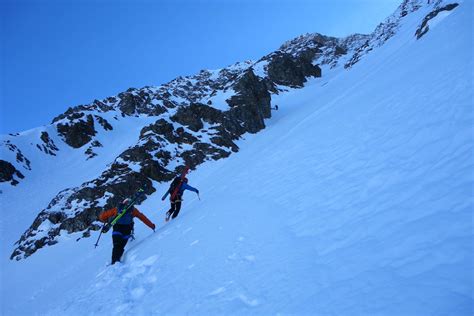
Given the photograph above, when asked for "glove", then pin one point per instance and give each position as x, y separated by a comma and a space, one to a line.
105, 228
154, 226
163, 198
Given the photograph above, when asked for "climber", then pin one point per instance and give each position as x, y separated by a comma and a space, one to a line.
176, 190
122, 229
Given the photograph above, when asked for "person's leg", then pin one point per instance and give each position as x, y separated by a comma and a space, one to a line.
171, 210
177, 208
119, 245
120, 237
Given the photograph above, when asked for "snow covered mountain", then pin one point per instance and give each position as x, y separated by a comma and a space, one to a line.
355, 197
189, 120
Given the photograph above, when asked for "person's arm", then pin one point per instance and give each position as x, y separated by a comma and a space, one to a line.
190, 188
143, 218
104, 216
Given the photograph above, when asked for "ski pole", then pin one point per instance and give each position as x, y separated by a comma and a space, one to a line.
101, 231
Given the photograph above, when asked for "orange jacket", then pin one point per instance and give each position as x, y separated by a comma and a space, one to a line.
104, 216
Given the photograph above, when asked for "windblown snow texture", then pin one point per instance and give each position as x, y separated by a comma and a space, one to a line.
356, 197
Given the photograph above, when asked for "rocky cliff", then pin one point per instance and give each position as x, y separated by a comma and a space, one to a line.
195, 119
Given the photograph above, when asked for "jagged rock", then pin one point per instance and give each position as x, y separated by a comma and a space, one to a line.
285, 70
163, 156
364, 49
187, 117
154, 170
8, 171
71, 114
96, 143
424, 28
251, 105
135, 102
319, 49
185, 137
129, 102
384, 31
79, 133
90, 151
225, 142
137, 153
105, 124
48, 145
161, 128
210, 151
104, 106
193, 116
20, 158
194, 157
305, 62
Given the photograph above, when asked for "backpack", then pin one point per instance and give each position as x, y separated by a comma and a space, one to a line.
174, 184
127, 218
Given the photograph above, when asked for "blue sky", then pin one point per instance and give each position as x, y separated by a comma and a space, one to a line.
56, 54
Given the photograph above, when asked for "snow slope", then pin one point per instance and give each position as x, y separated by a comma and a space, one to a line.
357, 199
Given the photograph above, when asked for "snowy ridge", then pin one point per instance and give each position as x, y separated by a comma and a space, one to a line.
387, 29
329, 49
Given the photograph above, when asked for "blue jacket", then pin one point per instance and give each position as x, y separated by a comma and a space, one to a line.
184, 186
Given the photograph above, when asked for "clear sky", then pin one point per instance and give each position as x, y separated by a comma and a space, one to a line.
57, 53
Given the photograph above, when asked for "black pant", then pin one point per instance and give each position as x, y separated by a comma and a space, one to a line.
175, 207
120, 236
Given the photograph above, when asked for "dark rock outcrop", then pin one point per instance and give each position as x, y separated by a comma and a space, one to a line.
8, 173
424, 27
78, 133
193, 116
90, 150
162, 128
71, 114
284, 69
48, 146
136, 101
251, 104
20, 158
105, 124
